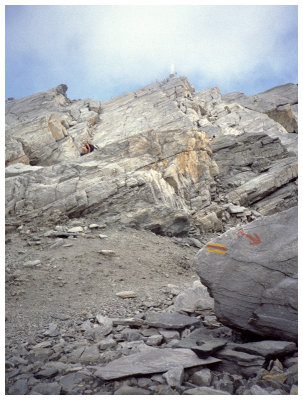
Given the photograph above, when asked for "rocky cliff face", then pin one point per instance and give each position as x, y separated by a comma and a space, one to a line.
154, 166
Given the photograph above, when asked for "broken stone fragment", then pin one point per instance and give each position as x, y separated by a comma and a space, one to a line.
266, 348
106, 343
201, 342
151, 361
130, 390
174, 377
202, 377
106, 324
108, 253
240, 363
194, 299
154, 340
205, 391
128, 321
127, 294
76, 229
233, 209
169, 320
52, 330
30, 264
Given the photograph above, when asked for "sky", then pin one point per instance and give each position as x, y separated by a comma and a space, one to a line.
103, 51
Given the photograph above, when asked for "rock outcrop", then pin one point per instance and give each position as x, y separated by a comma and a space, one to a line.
251, 271
279, 103
154, 166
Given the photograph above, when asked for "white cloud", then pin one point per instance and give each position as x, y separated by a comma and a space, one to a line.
137, 44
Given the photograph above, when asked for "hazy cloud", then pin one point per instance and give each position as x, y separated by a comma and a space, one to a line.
103, 51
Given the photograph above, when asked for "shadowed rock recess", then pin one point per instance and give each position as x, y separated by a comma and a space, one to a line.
228, 204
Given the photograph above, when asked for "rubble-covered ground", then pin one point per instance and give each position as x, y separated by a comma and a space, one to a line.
81, 295
51, 277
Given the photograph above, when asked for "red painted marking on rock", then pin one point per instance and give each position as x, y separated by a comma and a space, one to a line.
217, 247
254, 239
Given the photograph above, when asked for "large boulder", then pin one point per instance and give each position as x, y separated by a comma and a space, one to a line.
252, 274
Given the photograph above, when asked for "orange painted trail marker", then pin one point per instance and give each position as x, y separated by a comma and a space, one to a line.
216, 248
254, 239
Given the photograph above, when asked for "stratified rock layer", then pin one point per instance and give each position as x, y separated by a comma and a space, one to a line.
154, 166
253, 278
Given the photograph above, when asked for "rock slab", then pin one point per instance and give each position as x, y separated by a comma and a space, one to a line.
151, 361
252, 274
169, 320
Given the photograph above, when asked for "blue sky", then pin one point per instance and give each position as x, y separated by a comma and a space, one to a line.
103, 51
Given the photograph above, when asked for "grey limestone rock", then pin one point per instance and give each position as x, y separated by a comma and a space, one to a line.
129, 391
159, 156
169, 334
194, 299
73, 382
106, 343
254, 167
151, 361
257, 390
47, 373
201, 343
239, 363
253, 278
154, 340
153, 171
169, 320
20, 387
266, 348
51, 388
174, 376
204, 390
278, 103
90, 354
202, 377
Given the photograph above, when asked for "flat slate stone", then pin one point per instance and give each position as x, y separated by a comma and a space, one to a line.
52, 388
267, 348
151, 361
129, 390
201, 344
193, 299
241, 358
205, 391
169, 320
47, 373
128, 321
19, 387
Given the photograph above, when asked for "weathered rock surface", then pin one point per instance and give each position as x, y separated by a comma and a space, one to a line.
153, 167
206, 391
254, 279
68, 362
194, 299
201, 343
169, 320
267, 348
279, 103
151, 361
